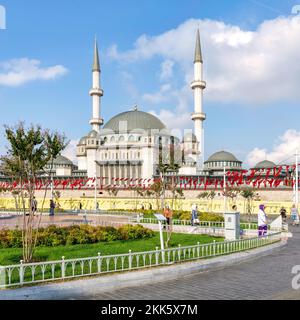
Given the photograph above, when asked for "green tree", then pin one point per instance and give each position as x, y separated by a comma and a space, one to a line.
232, 193
113, 192
28, 154
249, 195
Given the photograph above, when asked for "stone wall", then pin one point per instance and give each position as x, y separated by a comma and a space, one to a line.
70, 201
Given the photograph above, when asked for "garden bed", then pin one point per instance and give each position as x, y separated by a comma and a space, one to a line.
14, 255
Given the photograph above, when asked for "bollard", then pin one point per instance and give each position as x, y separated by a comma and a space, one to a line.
2, 277
99, 262
63, 270
21, 272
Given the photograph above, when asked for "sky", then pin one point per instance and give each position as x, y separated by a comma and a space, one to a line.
251, 65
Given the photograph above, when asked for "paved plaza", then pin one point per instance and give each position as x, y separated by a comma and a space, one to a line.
16, 221
268, 277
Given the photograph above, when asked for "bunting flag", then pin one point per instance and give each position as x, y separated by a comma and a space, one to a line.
270, 178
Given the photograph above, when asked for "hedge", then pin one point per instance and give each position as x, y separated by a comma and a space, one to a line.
78, 234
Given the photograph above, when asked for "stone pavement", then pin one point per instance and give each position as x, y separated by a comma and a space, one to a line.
63, 220
268, 277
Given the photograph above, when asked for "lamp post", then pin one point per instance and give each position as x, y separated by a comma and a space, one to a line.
95, 193
224, 189
161, 219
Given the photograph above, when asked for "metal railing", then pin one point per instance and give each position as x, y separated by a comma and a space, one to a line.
207, 224
33, 273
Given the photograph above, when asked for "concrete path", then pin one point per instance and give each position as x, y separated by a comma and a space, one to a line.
268, 277
262, 277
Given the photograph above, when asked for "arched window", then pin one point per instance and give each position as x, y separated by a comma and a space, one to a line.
131, 138
112, 139
121, 138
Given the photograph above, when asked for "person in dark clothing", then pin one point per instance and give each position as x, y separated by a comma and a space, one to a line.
52, 207
34, 205
283, 214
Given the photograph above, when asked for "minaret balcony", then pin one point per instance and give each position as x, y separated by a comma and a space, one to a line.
198, 84
198, 116
97, 121
96, 91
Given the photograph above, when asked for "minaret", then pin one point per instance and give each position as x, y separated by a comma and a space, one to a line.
96, 92
198, 85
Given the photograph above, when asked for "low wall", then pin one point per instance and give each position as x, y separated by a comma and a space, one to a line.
216, 206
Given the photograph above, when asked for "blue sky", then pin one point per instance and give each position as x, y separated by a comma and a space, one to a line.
248, 119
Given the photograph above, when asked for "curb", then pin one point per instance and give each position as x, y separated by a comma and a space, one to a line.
78, 289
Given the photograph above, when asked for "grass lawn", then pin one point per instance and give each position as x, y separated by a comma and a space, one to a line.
14, 255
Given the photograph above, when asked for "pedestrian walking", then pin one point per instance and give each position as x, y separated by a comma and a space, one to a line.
194, 215
294, 215
168, 213
262, 221
34, 205
283, 214
52, 208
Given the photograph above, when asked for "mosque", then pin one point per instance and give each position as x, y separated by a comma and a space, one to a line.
133, 143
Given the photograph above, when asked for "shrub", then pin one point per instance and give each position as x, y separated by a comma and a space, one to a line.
204, 216
78, 234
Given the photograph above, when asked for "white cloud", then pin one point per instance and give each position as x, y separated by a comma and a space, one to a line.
70, 151
174, 119
248, 67
283, 150
166, 70
164, 94
17, 72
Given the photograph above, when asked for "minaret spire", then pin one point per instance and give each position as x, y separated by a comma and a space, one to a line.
96, 64
198, 85
198, 52
96, 92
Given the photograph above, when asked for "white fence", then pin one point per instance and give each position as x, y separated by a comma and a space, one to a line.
208, 224
32, 273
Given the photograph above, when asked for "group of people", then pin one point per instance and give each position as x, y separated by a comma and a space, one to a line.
294, 214
34, 206
262, 219
168, 213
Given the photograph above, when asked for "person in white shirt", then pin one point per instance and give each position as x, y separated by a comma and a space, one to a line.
262, 221
294, 215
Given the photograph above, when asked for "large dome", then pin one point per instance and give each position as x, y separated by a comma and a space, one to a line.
135, 119
265, 164
61, 160
222, 156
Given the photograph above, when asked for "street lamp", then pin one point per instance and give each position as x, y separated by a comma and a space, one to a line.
224, 188
160, 218
95, 193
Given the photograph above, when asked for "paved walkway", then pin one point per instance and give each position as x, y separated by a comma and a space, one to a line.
268, 277
63, 220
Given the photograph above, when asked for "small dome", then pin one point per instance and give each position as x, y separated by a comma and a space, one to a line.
82, 141
265, 164
222, 156
134, 119
93, 134
189, 160
189, 137
61, 160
